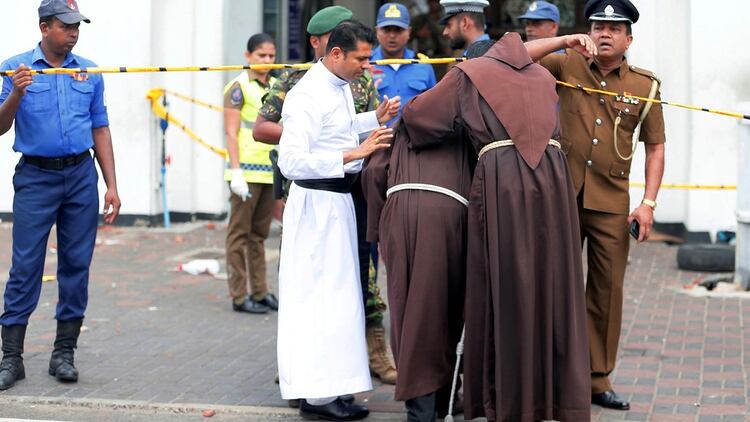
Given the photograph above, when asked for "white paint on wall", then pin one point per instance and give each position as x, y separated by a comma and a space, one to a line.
145, 33
696, 48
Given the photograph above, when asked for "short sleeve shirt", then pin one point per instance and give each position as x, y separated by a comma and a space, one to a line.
406, 81
588, 124
58, 112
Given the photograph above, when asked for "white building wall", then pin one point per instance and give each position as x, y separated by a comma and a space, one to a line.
696, 48
719, 32
158, 33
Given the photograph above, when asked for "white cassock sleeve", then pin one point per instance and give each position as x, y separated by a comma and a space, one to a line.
302, 126
365, 123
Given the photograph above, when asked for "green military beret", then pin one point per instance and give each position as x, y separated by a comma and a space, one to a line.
326, 19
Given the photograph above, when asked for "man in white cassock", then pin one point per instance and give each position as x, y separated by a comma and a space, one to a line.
322, 352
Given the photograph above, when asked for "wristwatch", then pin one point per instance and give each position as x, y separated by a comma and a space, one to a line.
650, 203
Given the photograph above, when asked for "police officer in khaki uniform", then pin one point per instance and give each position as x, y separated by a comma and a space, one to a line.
598, 134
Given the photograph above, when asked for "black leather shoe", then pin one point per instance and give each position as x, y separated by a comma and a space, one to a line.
62, 364
610, 400
11, 370
250, 307
347, 398
271, 301
336, 410
11, 367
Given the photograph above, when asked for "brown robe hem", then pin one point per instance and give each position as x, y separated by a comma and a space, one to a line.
526, 351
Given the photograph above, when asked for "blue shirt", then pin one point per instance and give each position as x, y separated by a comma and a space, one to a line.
58, 112
407, 82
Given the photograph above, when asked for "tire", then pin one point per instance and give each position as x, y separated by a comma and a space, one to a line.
707, 258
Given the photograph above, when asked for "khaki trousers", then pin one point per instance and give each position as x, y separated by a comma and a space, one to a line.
607, 246
249, 224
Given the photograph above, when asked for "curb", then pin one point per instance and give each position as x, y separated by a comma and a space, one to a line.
178, 408
264, 412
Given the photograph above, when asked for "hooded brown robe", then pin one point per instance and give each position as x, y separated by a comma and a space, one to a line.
526, 355
422, 236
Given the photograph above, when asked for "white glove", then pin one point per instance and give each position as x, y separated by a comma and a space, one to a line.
238, 185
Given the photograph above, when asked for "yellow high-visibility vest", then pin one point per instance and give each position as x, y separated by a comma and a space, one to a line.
254, 160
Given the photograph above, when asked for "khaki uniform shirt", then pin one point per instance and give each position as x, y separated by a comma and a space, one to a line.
588, 121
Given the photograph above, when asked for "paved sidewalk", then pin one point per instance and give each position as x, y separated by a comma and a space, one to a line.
156, 338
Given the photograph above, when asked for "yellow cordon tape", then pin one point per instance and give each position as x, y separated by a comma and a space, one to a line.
446, 60
653, 100
158, 109
194, 100
273, 66
155, 95
154, 69
686, 186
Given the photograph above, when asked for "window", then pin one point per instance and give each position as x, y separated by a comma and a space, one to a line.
272, 20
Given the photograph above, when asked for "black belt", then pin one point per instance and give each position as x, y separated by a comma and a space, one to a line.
338, 185
58, 163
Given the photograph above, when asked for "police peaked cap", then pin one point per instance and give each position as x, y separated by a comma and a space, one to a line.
611, 10
454, 7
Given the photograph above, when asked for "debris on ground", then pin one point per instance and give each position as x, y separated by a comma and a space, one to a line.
717, 285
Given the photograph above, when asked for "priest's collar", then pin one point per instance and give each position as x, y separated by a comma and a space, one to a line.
330, 76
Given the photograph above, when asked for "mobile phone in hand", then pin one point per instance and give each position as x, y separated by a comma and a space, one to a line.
635, 229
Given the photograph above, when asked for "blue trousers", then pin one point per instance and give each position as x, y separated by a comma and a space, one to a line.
68, 198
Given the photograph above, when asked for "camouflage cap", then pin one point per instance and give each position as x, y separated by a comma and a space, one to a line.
326, 19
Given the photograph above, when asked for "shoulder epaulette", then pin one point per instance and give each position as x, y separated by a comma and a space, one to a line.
647, 73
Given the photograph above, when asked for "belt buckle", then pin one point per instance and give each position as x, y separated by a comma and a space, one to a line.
57, 163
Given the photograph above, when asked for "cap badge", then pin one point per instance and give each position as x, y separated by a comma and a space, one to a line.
609, 10
393, 12
71, 5
532, 7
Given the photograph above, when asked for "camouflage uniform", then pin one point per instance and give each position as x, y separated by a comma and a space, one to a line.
363, 90
365, 99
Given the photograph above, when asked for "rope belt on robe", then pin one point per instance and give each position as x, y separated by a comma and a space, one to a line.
464, 202
460, 345
427, 187
507, 143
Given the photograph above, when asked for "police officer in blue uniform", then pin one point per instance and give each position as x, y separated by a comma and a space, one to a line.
58, 120
393, 31
542, 20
